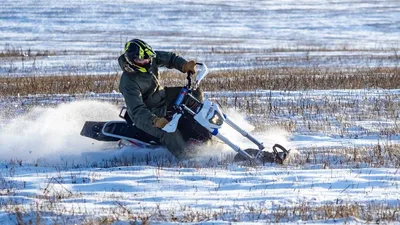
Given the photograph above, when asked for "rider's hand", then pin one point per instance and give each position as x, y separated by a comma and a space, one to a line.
189, 66
160, 122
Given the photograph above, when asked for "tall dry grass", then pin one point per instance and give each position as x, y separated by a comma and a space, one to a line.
284, 78
12, 86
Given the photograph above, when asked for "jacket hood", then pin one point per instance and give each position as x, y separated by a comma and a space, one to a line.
124, 64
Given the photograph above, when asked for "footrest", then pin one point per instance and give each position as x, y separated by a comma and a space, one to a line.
92, 129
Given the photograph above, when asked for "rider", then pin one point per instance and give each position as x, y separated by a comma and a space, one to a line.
146, 100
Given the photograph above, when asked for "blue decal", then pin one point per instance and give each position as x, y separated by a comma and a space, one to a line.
215, 132
224, 115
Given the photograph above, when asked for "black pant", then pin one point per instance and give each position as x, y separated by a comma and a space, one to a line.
176, 142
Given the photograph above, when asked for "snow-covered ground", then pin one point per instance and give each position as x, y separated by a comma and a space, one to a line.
83, 37
47, 166
345, 142
214, 195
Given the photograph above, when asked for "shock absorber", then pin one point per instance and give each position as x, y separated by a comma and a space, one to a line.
181, 96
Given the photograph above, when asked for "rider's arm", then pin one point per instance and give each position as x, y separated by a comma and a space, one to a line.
137, 110
169, 59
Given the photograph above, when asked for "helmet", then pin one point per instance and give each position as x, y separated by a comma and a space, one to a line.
138, 50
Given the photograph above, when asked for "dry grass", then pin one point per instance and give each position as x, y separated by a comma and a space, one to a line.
302, 79
12, 51
12, 86
342, 212
376, 156
235, 80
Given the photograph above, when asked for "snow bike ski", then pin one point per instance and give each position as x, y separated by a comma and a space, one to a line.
202, 119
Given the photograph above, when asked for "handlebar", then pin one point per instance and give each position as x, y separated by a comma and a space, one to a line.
200, 75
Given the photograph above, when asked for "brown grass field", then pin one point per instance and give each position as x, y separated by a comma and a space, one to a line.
286, 79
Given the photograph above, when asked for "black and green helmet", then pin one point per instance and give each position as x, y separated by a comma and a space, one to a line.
138, 49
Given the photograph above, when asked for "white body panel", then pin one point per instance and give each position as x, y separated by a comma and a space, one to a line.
173, 124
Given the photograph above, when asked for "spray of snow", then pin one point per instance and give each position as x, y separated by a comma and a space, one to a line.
52, 132
269, 137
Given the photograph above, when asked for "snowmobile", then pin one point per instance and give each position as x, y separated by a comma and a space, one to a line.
200, 121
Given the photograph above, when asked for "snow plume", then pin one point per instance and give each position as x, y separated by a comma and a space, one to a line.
269, 137
52, 132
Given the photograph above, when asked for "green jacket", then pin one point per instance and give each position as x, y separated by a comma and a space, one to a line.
144, 97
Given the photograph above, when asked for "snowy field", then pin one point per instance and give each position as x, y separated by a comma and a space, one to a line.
345, 143
81, 37
50, 173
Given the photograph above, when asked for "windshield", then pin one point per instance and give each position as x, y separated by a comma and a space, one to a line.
203, 71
